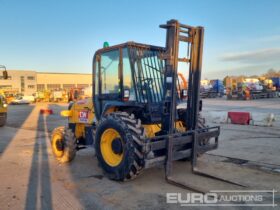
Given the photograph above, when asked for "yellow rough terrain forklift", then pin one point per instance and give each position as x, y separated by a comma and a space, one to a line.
3, 102
138, 116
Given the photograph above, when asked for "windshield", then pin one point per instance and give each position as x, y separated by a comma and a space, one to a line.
148, 74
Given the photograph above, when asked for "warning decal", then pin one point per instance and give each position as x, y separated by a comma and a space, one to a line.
83, 116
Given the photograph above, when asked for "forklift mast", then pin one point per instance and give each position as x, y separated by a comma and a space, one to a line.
193, 36
177, 33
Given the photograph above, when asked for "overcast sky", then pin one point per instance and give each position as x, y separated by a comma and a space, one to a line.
241, 36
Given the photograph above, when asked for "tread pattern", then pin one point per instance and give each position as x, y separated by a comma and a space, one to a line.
70, 144
134, 140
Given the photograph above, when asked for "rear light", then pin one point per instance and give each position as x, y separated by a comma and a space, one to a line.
126, 95
184, 93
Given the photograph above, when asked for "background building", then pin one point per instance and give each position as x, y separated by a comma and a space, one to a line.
20, 82
65, 81
29, 82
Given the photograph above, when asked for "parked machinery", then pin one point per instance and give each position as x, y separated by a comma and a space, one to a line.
39, 96
10, 94
249, 88
136, 118
234, 87
3, 102
211, 88
59, 96
74, 94
276, 84
252, 89
3, 110
269, 90
43, 96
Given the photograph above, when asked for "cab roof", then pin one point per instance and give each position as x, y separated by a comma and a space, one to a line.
130, 44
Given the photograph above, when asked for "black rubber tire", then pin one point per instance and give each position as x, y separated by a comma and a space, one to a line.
69, 144
3, 119
132, 135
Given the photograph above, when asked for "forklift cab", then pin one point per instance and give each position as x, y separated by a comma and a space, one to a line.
131, 75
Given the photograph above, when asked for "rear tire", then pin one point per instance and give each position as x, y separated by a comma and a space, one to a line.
63, 144
125, 162
3, 119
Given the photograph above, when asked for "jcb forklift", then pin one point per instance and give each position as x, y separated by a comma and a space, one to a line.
138, 116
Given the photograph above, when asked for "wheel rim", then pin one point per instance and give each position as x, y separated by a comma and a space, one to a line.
111, 156
57, 145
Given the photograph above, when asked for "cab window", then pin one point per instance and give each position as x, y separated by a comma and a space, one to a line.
127, 76
96, 78
109, 72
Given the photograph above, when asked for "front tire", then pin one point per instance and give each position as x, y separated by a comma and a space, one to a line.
63, 144
119, 146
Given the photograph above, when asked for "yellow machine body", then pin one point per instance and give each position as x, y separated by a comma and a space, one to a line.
81, 114
3, 105
3, 110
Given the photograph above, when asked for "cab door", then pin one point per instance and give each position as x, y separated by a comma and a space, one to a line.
107, 81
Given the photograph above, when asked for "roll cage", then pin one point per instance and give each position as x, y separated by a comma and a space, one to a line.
146, 68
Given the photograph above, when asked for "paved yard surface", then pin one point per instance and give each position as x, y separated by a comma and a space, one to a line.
261, 105
32, 179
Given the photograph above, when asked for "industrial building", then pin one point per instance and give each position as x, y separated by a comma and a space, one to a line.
29, 82
54, 81
24, 82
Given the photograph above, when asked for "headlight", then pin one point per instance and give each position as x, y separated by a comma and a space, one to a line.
5, 105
